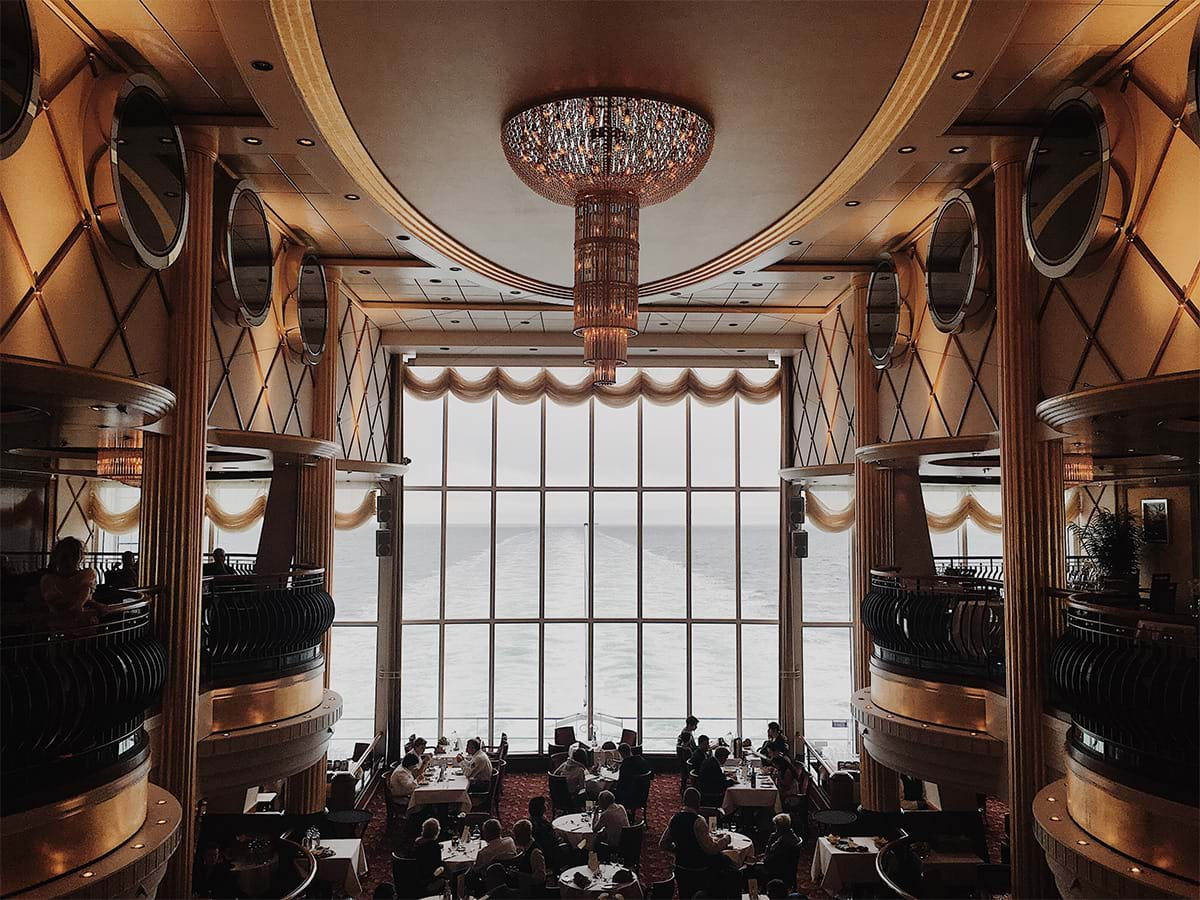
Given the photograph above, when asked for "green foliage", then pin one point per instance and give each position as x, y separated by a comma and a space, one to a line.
1114, 540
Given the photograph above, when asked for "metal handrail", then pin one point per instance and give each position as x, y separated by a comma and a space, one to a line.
299, 891
885, 853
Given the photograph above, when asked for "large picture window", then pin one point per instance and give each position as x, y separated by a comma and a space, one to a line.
601, 566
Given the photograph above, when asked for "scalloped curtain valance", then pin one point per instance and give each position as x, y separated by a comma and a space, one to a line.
126, 521
474, 390
967, 509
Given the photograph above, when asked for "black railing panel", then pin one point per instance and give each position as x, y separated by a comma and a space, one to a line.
1129, 680
264, 625
937, 627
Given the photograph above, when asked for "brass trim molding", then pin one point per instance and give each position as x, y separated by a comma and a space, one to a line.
951, 705
296, 30
247, 705
1158, 831
1085, 867
49, 841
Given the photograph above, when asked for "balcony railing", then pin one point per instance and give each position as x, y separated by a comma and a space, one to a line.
1128, 679
983, 568
73, 699
942, 627
264, 626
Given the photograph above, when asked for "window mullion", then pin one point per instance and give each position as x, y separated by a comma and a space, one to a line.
492, 739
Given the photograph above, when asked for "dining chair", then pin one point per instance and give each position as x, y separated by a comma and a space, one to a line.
629, 736
661, 890
629, 849
564, 735
560, 796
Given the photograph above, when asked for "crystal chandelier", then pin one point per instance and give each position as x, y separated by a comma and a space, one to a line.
119, 456
608, 156
1078, 468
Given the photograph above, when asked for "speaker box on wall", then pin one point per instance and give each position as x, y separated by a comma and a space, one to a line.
383, 542
796, 513
800, 545
383, 509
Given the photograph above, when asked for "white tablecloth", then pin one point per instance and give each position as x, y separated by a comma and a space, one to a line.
605, 781
452, 791
740, 849
455, 861
345, 867
600, 884
742, 794
837, 869
575, 827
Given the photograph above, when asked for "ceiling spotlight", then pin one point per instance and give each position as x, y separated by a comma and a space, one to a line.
524, 323
827, 278
739, 271
306, 142
166, 140
252, 141
963, 74
733, 324
446, 299
435, 281
958, 149
364, 271
533, 349
171, 194
653, 349
514, 292
454, 321
757, 284
744, 302
674, 293
455, 269
741, 351
795, 243
402, 237
261, 65
852, 203
443, 348
352, 197
665, 324
908, 148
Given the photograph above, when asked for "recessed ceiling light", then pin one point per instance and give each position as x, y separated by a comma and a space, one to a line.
852, 202
138, 846
443, 348
306, 142
261, 65
533, 349
514, 292
87, 874
674, 293
756, 284
1055, 818
166, 140
795, 243
963, 74
739, 271
733, 324
364, 271
402, 237
252, 141
435, 281
744, 302
664, 324
161, 822
653, 349
446, 299
1081, 842
455, 269
454, 321
741, 351
958, 149
352, 197
1135, 870
524, 323
827, 278
170, 193
907, 148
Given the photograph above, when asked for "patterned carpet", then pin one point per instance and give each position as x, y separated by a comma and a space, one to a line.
656, 864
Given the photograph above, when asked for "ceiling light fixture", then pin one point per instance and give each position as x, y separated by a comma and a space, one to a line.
403, 237
455, 269
306, 142
352, 196
119, 456
908, 148
963, 74
608, 156
852, 203
1078, 468
795, 243
364, 271
252, 141
958, 149
827, 278
261, 65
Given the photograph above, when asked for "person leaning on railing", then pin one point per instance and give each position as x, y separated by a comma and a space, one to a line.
67, 589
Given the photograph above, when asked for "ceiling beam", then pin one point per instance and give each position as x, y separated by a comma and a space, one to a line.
533, 306
814, 266
817, 266
638, 360
669, 340
376, 262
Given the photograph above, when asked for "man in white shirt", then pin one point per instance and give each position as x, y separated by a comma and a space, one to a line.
574, 769
613, 818
494, 846
477, 767
403, 780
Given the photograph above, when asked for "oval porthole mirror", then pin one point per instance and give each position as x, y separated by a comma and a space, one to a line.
958, 268
1191, 106
136, 169
1077, 184
889, 321
308, 315
243, 271
20, 79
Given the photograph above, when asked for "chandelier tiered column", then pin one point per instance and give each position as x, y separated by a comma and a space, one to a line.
872, 539
172, 520
1031, 498
608, 157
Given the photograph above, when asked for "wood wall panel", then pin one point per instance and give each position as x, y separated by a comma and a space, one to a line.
363, 388
823, 431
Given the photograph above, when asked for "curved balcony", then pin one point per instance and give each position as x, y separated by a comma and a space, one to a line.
74, 752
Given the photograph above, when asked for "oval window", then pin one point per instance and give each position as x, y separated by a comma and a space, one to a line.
958, 266
1191, 106
150, 173
883, 313
1066, 184
245, 275
19, 76
312, 310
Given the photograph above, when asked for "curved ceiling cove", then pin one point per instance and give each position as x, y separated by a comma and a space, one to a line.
425, 94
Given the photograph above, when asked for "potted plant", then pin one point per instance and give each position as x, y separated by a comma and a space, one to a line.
1114, 541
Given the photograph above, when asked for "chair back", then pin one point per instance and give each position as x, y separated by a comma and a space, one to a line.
784, 867
556, 760
405, 878
552, 749
663, 889
629, 736
691, 881
641, 791
498, 786
560, 795
630, 846
841, 791
1162, 593
564, 735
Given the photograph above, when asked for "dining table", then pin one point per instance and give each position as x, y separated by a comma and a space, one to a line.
574, 828
453, 792
343, 868
604, 780
740, 849
836, 868
599, 882
459, 857
761, 794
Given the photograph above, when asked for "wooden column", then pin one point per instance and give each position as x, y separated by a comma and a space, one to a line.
172, 518
871, 542
1032, 512
314, 543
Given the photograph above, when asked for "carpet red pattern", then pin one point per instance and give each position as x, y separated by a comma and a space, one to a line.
656, 864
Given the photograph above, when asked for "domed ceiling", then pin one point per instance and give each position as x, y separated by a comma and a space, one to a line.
426, 88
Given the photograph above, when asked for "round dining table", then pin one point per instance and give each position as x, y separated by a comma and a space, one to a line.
740, 849
604, 780
599, 883
459, 857
575, 827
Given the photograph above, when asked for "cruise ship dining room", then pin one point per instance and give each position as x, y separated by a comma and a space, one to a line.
387, 512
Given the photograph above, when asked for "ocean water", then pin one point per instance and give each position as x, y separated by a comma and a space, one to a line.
611, 689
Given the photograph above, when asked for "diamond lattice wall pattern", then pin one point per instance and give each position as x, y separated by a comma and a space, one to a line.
823, 394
